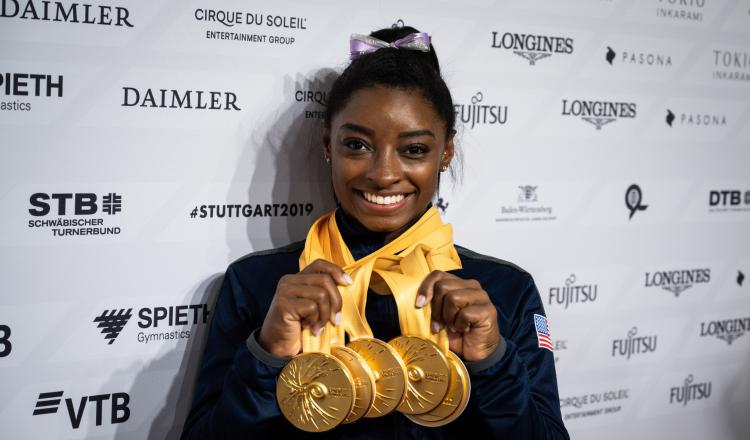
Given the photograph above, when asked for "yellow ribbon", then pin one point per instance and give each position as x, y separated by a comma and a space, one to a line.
400, 265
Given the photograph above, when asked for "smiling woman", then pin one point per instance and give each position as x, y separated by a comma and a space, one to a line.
297, 335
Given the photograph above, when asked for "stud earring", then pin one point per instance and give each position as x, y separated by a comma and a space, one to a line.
328, 160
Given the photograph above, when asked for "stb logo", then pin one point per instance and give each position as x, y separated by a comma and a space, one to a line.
634, 199
528, 193
112, 322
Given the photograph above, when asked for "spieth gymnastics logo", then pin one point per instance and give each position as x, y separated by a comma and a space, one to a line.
112, 322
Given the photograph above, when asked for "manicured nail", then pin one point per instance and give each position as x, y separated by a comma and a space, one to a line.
318, 331
337, 318
347, 279
452, 330
334, 341
435, 326
421, 300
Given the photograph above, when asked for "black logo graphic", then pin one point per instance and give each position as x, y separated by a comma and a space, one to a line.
633, 344
610, 55
528, 193
726, 329
740, 278
112, 322
677, 281
442, 205
727, 200
573, 293
670, 117
7, 347
171, 99
104, 15
112, 203
48, 403
599, 113
689, 391
532, 47
477, 113
633, 200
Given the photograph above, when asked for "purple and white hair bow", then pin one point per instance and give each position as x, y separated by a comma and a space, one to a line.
361, 44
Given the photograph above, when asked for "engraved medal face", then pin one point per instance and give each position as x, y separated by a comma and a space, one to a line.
364, 381
455, 400
389, 371
315, 392
428, 373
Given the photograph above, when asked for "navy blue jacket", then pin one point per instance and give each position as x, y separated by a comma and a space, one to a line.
513, 391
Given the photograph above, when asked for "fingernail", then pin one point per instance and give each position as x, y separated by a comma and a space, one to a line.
334, 341
347, 279
337, 318
453, 330
421, 300
435, 327
318, 331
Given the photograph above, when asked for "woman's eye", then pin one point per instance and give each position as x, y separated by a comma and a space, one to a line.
355, 145
416, 150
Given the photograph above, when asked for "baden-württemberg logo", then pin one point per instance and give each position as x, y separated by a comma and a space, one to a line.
20, 86
689, 391
599, 113
677, 281
633, 345
66, 12
725, 329
76, 213
681, 10
573, 292
479, 112
532, 47
528, 207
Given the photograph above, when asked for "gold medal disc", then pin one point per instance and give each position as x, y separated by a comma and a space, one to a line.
428, 373
364, 381
455, 400
389, 371
315, 392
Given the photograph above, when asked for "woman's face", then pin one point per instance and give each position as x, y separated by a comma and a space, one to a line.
386, 148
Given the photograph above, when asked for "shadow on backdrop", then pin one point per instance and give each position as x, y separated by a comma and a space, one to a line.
285, 158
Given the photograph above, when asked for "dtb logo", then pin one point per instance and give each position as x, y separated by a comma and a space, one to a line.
119, 412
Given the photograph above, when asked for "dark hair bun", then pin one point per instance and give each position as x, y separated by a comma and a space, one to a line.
398, 68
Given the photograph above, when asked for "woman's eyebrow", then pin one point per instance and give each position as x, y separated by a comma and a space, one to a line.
416, 133
358, 128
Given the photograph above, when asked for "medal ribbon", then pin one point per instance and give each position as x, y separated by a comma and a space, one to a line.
400, 267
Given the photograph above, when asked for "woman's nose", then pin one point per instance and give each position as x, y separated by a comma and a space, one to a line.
385, 168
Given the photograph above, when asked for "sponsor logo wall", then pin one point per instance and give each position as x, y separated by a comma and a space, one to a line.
146, 146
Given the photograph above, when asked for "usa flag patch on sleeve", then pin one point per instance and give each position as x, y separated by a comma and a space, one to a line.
542, 332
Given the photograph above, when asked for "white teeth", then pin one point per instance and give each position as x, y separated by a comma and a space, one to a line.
380, 200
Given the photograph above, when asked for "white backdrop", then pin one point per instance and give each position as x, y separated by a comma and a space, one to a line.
122, 204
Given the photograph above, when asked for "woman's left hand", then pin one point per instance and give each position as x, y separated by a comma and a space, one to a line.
465, 308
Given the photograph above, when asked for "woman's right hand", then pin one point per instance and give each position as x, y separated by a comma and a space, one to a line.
308, 298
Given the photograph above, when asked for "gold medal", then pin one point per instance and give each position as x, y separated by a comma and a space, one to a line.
455, 400
364, 381
315, 392
428, 374
389, 371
